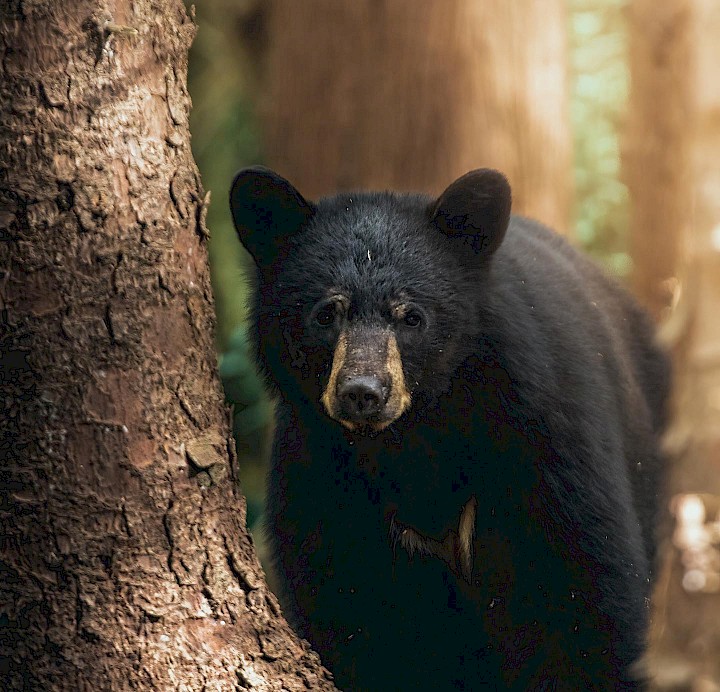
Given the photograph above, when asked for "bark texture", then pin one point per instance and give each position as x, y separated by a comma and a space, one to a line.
656, 155
125, 563
409, 95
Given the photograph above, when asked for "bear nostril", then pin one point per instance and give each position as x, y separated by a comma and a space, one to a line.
361, 397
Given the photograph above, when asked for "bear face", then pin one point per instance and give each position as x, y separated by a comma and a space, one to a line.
339, 314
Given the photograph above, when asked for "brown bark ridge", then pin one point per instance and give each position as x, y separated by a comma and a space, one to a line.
410, 95
655, 153
125, 563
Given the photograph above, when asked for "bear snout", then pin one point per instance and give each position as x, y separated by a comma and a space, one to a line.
366, 387
362, 398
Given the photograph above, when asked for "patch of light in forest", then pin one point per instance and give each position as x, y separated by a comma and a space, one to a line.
697, 537
715, 238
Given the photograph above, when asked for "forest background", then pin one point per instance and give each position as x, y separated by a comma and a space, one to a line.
124, 555
627, 123
227, 125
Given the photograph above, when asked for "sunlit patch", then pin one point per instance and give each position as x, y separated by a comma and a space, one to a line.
697, 539
715, 238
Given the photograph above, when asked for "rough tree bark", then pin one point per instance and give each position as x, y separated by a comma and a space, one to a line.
125, 563
409, 95
656, 164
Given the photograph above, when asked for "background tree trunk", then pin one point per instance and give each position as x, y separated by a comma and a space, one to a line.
686, 633
655, 149
125, 563
409, 95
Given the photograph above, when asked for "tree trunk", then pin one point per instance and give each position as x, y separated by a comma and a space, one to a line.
685, 638
409, 95
655, 148
125, 563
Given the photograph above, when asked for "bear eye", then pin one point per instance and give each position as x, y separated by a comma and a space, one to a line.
325, 316
413, 319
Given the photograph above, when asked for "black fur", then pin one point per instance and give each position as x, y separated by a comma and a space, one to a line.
536, 387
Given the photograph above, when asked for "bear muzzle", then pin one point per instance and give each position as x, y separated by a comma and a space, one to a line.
366, 388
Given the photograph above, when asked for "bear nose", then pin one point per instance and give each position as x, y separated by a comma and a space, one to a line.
361, 397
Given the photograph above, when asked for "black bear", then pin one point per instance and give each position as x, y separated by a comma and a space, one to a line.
466, 462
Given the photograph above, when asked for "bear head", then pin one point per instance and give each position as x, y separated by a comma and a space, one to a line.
367, 301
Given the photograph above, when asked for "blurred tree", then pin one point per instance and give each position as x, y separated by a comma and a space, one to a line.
408, 95
655, 146
686, 633
124, 560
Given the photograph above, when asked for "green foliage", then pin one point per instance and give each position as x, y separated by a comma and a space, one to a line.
252, 416
600, 83
225, 138
242, 385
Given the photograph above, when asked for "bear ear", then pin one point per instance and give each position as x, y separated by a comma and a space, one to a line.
476, 207
266, 210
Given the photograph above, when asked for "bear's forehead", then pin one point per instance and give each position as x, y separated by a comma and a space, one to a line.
373, 250
368, 274
360, 228
372, 264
